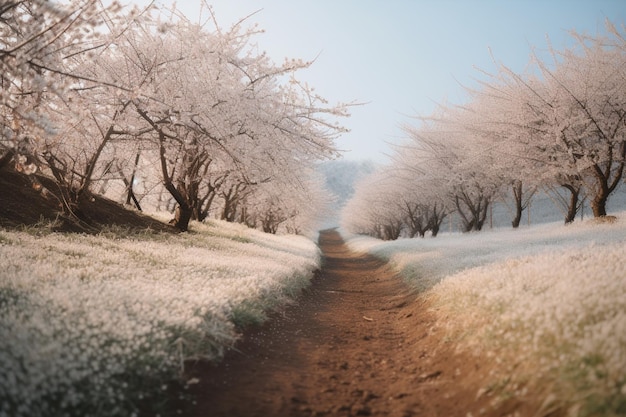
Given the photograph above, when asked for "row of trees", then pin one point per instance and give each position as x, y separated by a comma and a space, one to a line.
145, 106
560, 127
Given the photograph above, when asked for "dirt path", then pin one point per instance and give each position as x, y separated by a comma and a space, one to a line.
357, 343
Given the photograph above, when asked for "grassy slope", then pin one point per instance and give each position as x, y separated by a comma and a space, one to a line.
544, 305
101, 323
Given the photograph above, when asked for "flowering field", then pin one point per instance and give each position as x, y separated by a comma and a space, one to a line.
102, 325
547, 303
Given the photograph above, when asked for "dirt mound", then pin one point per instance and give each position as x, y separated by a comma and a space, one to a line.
23, 205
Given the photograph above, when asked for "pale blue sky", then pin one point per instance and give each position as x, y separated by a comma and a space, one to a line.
403, 57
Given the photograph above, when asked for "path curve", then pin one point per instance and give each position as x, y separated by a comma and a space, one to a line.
357, 343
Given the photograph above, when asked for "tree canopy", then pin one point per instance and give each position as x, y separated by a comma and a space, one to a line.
149, 108
560, 127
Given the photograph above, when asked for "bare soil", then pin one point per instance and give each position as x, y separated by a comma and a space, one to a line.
21, 204
359, 342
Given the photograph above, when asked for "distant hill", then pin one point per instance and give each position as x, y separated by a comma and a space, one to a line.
340, 177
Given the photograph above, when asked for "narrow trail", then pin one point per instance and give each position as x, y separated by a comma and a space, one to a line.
357, 343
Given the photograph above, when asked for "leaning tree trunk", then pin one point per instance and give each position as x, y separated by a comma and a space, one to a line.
468, 222
182, 217
483, 207
572, 208
184, 210
129, 183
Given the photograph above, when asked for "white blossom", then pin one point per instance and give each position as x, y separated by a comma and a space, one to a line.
548, 297
80, 314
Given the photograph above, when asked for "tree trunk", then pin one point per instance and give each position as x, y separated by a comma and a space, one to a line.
572, 208
607, 179
478, 207
229, 210
483, 207
133, 197
203, 213
598, 205
130, 193
91, 165
435, 220
182, 218
68, 196
183, 210
517, 196
468, 223
517, 219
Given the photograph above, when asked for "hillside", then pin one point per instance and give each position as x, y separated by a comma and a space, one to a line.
23, 206
101, 324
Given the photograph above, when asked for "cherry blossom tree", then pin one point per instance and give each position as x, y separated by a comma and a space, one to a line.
37, 38
506, 127
55, 103
567, 126
590, 112
292, 207
558, 127
461, 162
207, 96
313, 205
110, 94
422, 195
373, 209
